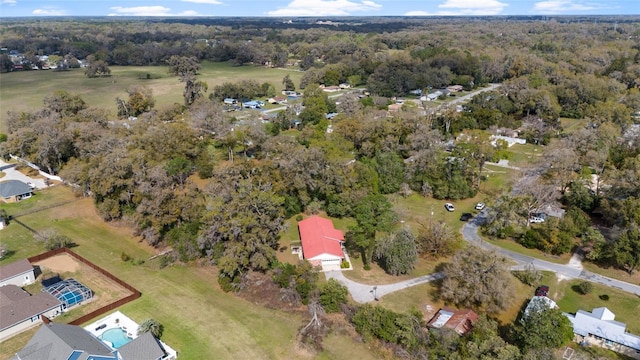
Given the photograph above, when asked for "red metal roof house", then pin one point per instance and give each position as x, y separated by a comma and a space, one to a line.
321, 242
460, 321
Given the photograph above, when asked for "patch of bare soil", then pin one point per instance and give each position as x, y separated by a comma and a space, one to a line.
260, 289
62, 263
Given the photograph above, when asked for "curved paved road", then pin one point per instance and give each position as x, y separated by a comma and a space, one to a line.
470, 234
363, 293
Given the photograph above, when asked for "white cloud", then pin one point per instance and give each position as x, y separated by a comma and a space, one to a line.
8, 2
149, 11
141, 11
417, 13
189, 13
563, 6
49, 12
325, 8
464, 7
210, 2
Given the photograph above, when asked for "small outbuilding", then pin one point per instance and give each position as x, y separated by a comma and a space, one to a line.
14, 190
460, 321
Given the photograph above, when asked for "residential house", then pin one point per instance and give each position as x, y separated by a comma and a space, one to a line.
509, 140
278, 100
344, 86
599, 328
62, 341
538, 304
19, 273
230, 101
253, 104
433, 96
20, 311
460, 321
322, 244
330, 88
144, 346
455, 88
14, 190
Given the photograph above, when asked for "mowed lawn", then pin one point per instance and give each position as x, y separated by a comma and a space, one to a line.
200, 320
26, 90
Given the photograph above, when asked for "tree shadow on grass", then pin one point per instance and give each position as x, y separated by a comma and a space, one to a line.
435, 295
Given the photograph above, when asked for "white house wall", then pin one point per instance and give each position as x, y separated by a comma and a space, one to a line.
28, 323
325, 257
20, 280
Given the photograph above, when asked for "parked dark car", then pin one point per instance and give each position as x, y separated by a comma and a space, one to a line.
542, 290
466, 217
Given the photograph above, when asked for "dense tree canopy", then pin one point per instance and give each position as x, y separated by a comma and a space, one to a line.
397, 253
479, 279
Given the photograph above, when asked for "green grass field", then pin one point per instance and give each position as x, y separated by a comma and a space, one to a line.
416, 209
25, 91
524, 155
571, 125
200, 320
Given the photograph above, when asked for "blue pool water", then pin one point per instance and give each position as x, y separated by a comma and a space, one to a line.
116, 336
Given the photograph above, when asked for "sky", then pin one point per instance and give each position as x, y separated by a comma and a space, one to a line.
315, 8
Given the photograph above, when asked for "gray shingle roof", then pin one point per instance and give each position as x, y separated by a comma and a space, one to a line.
59, 341
144, 347
18, 305
9, 188
14, 269
600, 322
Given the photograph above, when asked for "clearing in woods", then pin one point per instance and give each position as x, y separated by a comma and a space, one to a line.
26, 90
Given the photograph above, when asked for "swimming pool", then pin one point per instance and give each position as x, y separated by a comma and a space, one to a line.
116, 336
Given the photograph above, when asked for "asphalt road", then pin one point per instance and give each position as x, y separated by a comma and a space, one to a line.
364, 293
470, 234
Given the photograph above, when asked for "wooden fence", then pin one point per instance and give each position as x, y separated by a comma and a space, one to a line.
81, 320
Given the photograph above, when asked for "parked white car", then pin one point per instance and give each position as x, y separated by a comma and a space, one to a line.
449, 207
536, 220
480, 206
